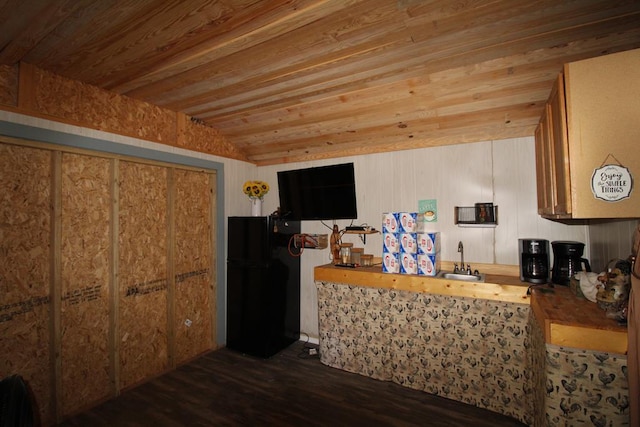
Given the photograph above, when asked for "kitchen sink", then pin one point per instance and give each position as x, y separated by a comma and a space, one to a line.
461, 276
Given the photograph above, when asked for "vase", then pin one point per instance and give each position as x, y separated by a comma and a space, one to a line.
256, 206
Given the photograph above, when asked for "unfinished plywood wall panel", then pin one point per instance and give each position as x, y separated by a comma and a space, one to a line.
142, 272
9, 85
91, 247
194, 135
192, 264
78, 102
25, 262
85, 268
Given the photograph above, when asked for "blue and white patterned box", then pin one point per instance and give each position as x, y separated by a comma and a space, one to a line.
408, 243
407, 222
390, 243
390, 222
390, 263
428, 243
428, 265
408, 263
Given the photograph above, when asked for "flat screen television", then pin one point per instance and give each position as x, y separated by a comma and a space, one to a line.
319, 193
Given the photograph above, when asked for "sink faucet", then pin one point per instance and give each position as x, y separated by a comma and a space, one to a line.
462, 269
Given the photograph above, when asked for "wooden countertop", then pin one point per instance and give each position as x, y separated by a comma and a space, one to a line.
566, 319
495, 287
576, 322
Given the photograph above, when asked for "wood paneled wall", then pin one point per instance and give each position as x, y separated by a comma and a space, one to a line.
610, 240
106, 272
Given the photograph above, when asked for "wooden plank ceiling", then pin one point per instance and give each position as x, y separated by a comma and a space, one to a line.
292, 80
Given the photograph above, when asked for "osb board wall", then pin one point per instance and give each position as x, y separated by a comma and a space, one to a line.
142, 272
195, 136
88, 280
85, 272
193, 292
82, 103
25, 232
9, 85
41, 93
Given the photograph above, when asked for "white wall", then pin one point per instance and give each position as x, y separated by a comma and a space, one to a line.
610, 240
502, 172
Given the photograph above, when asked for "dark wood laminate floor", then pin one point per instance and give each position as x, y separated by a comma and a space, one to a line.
227, 388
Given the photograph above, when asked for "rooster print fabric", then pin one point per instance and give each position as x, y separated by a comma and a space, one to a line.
489, 354
586, 387
471, 350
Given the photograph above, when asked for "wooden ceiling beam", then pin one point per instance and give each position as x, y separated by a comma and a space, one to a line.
414, 66
547, 61
298, 48
409, 129
246, 28
315, 151
23, 30
402, 115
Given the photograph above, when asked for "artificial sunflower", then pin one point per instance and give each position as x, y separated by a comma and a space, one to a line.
255, 189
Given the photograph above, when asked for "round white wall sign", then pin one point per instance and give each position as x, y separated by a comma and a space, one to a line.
611, 183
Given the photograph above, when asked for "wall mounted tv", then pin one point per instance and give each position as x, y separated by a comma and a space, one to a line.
319, 193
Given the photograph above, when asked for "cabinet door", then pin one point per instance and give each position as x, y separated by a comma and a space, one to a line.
557, 116
591, 117
544, 166
603, 113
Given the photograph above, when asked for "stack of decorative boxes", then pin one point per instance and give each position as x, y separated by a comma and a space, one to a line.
407, 247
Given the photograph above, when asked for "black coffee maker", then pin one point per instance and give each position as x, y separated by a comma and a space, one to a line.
534, 260
567, 261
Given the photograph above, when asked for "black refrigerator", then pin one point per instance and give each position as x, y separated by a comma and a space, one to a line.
263, 285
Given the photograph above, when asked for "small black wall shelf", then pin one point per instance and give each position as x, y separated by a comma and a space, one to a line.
481, 215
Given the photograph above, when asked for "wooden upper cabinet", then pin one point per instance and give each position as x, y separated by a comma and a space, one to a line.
552, 156
589, 128
544, 166
560, 149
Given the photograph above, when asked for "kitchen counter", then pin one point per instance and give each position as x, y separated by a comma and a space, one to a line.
569, 321
496, 287
485, 344
565, 319
420, 333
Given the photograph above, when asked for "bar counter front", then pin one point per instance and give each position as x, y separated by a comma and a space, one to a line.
488, 344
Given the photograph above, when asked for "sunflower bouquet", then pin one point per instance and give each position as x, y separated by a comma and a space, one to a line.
255, 189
